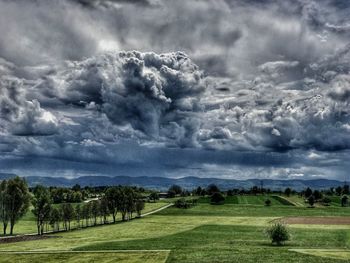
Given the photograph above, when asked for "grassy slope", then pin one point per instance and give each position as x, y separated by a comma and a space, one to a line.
206, 233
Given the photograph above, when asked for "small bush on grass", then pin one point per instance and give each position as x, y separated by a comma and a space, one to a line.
267, 202
278, 233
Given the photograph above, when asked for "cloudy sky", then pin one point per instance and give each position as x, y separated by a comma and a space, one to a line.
213, 88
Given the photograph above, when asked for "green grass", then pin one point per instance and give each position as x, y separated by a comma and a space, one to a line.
220, 243
204, 233
247, 200
327, 253
75, 257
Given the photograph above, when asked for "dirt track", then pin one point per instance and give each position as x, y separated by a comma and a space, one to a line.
317, 220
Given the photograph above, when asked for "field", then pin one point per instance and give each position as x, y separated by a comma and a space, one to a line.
205, 233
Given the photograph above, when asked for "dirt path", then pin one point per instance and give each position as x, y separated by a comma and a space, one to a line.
157, 210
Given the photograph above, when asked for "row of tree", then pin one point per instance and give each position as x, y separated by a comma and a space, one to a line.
15, 199
124, 200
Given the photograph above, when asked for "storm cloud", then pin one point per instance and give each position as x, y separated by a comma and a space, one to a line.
216, 82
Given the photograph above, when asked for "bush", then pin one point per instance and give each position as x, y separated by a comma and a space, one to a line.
267, 202
311, 200
278, 233
183, 203
217, 198
344, 200
326, 201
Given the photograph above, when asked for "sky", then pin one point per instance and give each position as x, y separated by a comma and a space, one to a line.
214, 88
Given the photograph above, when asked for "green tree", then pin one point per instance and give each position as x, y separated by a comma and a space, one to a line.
344, 200
42, 204
4, 199
104, 210
287, 191
113, 194
78, 214
18, 200
95, 210
311, 200
55, 218
308, 192
154, 196
212, 188
68, 214
217, 198
139, 206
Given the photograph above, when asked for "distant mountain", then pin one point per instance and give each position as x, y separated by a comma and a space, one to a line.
161, 183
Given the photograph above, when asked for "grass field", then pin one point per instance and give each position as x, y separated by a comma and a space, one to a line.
204, 233
249, 200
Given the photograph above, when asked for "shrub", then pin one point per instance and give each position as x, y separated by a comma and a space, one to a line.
183, 203
344, 200
267, 202
326, 201
217, 198
278, 233
311, 200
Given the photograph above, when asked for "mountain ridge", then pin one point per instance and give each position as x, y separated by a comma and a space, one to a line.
190, 182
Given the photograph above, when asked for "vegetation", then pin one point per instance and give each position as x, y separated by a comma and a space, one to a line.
14, 202
278, 233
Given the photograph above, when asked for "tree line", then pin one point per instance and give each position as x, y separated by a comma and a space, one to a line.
15, 200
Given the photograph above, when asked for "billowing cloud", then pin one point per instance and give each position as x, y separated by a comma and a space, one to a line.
224, 79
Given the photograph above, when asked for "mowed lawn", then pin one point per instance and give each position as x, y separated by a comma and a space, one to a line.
205, 233
250, 200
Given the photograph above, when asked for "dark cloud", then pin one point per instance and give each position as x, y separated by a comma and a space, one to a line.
213, 86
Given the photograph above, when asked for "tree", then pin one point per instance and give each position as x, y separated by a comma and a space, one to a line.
326, 201
104, 211
339, 190
78, 214
175, 190
267, 202
344, 200
139, 206
55, 218
346, 189
4, 199
42, 207
308, 192
95, 210
68, 215
278, 233
18, 200
311, 200
212, 188
86, 213
287, 191
112, 195
154, 196
318, 195
217, 198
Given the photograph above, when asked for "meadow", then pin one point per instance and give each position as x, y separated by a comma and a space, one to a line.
233, 232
